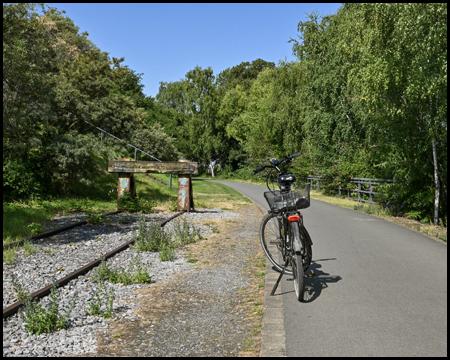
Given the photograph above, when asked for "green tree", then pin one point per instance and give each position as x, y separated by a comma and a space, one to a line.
53, 80
403, 83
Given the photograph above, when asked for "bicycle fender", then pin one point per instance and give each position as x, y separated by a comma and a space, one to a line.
297, 242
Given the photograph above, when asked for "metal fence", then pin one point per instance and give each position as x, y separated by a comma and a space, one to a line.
357, 181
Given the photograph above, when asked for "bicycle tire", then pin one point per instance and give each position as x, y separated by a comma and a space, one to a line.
269, 232
297, 266
308, 249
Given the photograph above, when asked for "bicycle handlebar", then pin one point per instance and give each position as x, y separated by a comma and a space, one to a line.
282, 162
259, 168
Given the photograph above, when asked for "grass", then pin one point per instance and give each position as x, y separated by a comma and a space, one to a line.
31, 216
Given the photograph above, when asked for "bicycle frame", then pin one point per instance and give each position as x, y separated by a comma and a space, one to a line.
294, 250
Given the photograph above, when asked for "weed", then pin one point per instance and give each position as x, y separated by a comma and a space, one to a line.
95, 218
35, 228
37, 319
192, 261
135, 275
9, 255
215, 230
151, 236
117, 335
167, 252
28, 247
49, 251
99, 295
186, 233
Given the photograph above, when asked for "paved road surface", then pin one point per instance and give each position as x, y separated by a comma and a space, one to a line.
380, 289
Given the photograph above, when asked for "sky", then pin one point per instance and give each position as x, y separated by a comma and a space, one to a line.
165, 41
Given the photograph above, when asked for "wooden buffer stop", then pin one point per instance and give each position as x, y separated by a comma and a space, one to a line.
184, 168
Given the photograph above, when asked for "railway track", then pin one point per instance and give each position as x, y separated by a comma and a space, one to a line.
12, 309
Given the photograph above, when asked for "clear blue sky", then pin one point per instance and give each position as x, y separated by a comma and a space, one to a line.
165, 41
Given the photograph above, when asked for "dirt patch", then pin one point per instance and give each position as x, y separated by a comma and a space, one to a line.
215, 309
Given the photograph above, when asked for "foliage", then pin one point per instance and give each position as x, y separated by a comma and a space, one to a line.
37, 319
35, 228
134, 275
135, 204
156, 142
95, 218
54, 79
185, 232
367, 97
100, 296
150, 237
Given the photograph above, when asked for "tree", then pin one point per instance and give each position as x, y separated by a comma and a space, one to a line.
53, 79
403, 81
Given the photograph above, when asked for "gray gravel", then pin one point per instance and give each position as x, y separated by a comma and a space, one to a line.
71, 250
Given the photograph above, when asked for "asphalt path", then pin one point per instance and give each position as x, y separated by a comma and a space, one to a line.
379, 289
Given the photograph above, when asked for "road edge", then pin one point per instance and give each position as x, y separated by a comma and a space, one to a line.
273, 340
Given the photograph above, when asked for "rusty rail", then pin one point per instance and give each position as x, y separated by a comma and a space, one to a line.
12, 309
52, 232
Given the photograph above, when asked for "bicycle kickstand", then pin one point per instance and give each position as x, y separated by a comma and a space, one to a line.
279, 278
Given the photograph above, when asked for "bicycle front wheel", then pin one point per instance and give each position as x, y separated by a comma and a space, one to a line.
272, 242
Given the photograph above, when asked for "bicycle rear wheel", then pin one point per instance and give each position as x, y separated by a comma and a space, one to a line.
308, 249
299, 279
271, 242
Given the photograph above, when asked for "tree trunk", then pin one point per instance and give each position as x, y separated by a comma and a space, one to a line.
212, 170
436, 182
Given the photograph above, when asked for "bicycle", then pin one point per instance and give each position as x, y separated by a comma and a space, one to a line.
283, 236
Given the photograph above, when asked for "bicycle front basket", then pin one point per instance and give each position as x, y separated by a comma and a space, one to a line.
275, 200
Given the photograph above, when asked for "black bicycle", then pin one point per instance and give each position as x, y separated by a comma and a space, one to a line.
284, 238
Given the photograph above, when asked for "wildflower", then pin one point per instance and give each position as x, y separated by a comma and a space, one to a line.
374, 146
388, 203
312, 133
396, 195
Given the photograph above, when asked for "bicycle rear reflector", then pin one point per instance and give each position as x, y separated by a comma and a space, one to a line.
294, 218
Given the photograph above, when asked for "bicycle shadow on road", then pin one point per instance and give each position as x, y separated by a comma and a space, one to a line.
319, 281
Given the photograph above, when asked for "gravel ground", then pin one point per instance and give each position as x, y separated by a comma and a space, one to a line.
78, 246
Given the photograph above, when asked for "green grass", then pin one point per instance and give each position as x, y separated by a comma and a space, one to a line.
212, 188
16, 217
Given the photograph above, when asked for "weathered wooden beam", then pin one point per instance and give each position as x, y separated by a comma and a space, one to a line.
165, 167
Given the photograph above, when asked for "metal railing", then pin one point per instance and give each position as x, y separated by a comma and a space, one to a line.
359, 190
